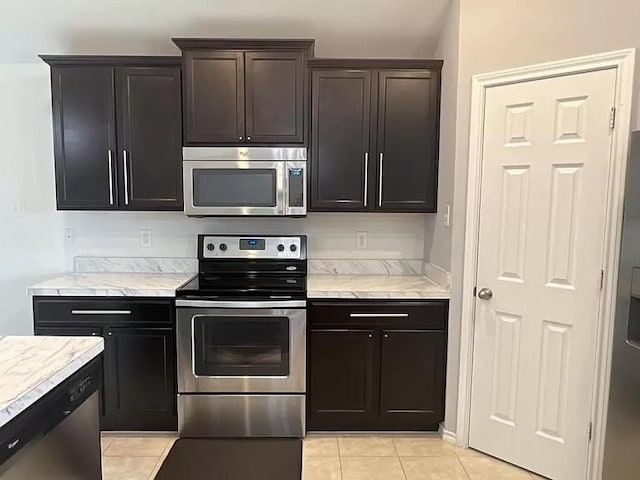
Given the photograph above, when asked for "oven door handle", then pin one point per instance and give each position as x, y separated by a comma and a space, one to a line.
241, 304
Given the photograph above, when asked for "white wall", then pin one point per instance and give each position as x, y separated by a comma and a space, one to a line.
438, 235
173, 234
30, 243
501, 34
378, 28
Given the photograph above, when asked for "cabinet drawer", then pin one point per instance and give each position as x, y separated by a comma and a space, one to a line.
421, 315
101, 310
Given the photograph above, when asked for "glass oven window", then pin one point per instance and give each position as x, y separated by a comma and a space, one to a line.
241, 346
219, 187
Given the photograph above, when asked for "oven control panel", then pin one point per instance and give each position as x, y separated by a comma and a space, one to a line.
220, 246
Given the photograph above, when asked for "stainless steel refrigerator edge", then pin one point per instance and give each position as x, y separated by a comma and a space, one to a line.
622, 445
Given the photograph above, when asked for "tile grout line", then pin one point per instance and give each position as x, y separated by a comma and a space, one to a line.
395, 447
340, 458
466, 472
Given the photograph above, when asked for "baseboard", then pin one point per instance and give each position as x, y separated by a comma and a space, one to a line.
446, 435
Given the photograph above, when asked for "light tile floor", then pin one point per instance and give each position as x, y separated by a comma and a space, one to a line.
331, 457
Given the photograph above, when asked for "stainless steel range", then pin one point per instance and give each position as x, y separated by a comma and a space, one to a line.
242, 338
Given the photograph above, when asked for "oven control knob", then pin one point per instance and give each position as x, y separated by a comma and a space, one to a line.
223, 246
281, 248
210, 247
293, 248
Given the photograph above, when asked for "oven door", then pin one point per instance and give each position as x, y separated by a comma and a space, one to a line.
234, 187
238, 350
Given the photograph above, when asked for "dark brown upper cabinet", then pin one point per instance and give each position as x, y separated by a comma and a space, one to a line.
117, 132
245, 91
341, 167
375, 133
214, 97
84, 136
149, 135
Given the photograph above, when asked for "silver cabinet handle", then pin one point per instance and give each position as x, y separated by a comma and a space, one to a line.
239, 138
110, 177
101, 312
110, 333
381, 172
366, 177
249, 138
386, 335
126, 177
13, 444
378, 315
370, 336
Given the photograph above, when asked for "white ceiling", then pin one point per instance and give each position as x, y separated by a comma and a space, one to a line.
343, 28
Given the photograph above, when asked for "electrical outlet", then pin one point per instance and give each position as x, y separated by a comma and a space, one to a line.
69, 236
362, 240
145, 238
446, 218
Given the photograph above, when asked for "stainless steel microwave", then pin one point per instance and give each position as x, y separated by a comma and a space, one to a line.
230, 181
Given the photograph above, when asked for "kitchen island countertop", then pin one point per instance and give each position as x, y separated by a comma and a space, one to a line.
31, 367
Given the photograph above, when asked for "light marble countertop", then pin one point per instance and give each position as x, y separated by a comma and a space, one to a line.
374, 286
30, 367
112, 284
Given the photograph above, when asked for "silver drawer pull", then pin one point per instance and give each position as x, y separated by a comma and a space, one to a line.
13, 444
378, 315
101, 312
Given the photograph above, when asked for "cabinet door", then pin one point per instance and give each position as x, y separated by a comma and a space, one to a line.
84, 137
412, 378
140, 379
213, 97
275, 95
342, 173
341, 378
150, 138
407, 143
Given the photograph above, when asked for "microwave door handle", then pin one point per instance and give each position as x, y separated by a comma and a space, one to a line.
282, 178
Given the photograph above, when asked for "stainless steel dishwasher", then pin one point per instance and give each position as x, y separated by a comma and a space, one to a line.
57, 438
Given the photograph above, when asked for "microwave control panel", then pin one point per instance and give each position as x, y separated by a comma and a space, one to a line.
296, 187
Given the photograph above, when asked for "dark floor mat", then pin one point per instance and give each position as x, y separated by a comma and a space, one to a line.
233, 459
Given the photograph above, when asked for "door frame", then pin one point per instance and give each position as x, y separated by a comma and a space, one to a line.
623, 61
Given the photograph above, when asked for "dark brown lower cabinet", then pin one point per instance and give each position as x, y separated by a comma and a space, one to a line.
342, 377
140, 380
376, 365
412, 373
139, 364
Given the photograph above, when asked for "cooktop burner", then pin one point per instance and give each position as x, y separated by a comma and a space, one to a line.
240, 266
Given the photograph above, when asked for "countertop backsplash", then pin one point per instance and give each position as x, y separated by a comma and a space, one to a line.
316, 267
135, 264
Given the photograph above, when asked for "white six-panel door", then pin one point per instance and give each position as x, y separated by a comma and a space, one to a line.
544, 183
